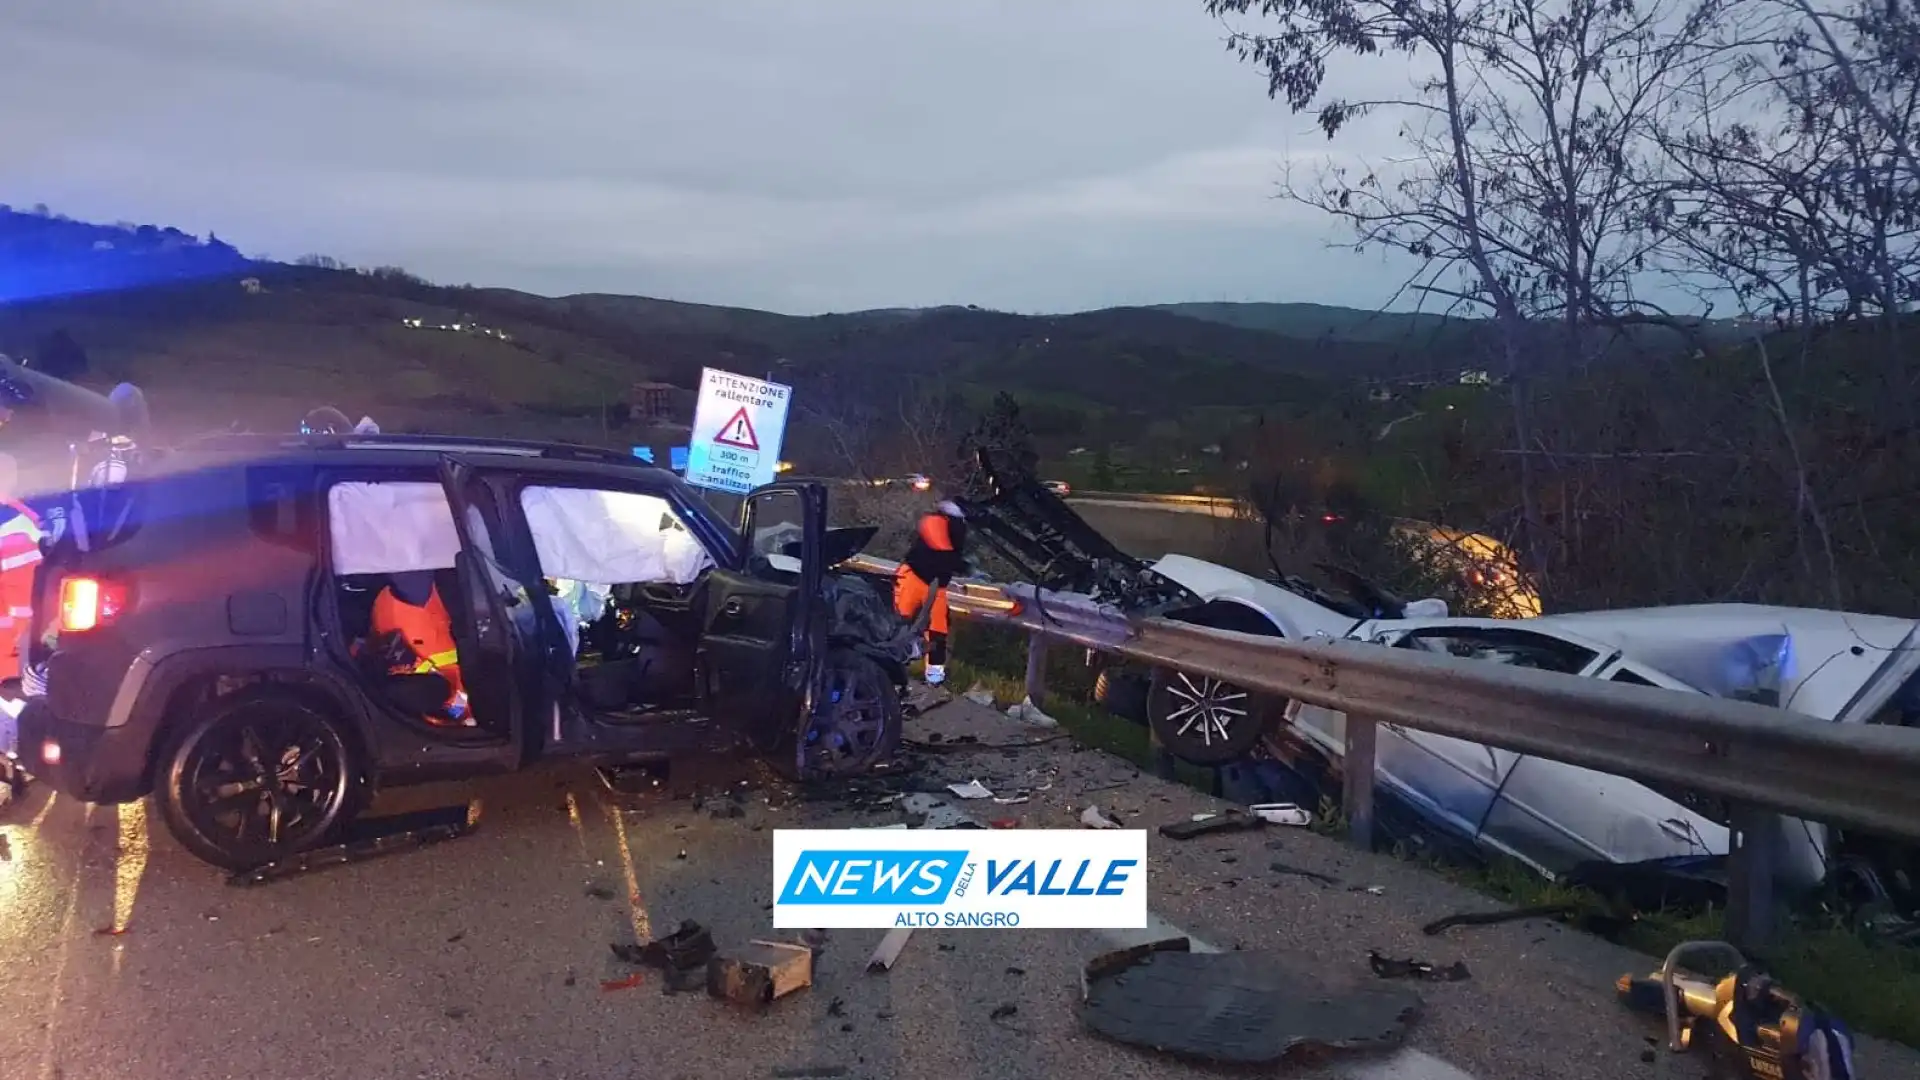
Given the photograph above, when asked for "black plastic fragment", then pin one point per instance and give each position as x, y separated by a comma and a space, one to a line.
1388, 968
370, 838
1237, 1008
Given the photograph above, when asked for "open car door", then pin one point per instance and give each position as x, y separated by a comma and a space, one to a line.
497, 623
764, 642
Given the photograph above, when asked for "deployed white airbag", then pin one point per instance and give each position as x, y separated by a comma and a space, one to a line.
390, 528
611, 537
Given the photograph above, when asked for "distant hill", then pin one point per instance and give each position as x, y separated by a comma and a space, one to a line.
1314, 322
43, 254
183, 316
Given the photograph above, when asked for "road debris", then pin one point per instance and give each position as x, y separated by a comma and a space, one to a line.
1370, 890
1092, 818
1387, 968
760, 973
1028, 713
627, 983
1301, 871
972, 789
1491, 918
808, 1072
888, 950
982, 696
1281, 814
1003, 1011
1231, 821
371, 838
1235, 1008
686, 949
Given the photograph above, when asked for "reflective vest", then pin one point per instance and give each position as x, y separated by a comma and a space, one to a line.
427, 630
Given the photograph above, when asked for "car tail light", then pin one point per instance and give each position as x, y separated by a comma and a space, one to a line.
88, 603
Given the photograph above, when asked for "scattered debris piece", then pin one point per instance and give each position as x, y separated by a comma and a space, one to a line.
1301, 871
570, 980
456, 1012
1490, 918
760, 973
924, 698
1281, 814
1016, 971
111, 931
972, 789
808, 1072
1028, 713
837, 1007
1092, 818
599, 892
1231, 821
982, 696
370, 838
1255, 1010
643, 778
451, 938
627, 983
1370, 890
1011, 800
1003, 1011
1387, 968
889, 950
686, 949
945, 946
682, 855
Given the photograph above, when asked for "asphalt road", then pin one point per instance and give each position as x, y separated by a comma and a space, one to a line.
485, 957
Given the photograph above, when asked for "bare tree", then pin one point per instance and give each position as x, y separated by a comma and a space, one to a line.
1525, 188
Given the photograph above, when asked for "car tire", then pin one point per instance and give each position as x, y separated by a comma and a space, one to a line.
1204, 721
229, 781
859, 723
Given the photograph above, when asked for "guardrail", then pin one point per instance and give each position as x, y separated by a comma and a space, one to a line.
1765, 761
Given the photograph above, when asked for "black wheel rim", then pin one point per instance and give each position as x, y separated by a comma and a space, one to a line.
850, 724
1203, 710
265, 783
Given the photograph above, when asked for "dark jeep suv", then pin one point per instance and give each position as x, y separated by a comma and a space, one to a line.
201, 631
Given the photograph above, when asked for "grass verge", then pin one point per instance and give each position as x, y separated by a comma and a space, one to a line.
1874, 987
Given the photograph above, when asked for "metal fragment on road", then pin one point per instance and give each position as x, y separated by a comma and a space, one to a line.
1239, 1008
888, 950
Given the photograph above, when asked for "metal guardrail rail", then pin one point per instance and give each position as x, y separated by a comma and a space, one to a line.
1766, 761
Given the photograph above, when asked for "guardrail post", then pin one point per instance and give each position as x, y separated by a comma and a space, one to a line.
1357, 771
1036, 667
1753, 860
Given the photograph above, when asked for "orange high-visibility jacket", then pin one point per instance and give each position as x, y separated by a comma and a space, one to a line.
428, 631
19, 554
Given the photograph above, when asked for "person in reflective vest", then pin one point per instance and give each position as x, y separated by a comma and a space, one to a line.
410, 614
934, 559
20, 534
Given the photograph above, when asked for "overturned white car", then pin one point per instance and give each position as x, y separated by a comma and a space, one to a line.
1831, 666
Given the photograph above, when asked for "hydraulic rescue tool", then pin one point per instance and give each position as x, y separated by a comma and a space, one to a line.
1747, 1026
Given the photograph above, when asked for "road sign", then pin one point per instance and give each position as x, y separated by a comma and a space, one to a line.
738, 432
737, 429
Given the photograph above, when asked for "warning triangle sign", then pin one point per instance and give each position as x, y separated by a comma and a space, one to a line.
738, 432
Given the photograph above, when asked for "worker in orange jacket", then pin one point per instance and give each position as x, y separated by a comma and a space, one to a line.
410, 619
20, 534
936, 556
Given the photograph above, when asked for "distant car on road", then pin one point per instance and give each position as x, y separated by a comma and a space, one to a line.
1059, 487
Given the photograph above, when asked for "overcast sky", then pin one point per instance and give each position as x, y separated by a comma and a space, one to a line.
796, 155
